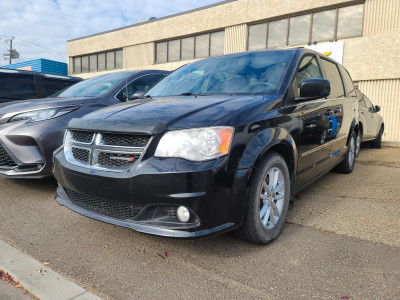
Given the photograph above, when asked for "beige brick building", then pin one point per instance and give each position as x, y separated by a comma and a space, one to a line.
369, 29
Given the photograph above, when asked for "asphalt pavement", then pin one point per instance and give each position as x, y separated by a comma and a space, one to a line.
341, 241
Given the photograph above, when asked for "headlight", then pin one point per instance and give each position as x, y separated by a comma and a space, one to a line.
198, 144
43, 114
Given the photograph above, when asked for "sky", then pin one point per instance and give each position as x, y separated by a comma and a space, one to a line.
42, 27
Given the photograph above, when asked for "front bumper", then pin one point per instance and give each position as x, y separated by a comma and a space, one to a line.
30, 147
214, 196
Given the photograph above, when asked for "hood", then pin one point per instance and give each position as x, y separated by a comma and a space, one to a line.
164, 113
26, 105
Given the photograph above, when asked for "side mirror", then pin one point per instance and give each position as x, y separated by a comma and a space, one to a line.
137, 95
377, 108
314, 88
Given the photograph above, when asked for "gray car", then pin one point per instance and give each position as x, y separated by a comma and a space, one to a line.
371, 123
30, 131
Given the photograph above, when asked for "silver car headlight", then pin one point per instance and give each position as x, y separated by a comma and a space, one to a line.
198, 144
42, 114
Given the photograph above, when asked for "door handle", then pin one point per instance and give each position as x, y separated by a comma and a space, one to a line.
362, 112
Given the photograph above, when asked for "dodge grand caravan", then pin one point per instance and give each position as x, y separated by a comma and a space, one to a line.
220, 144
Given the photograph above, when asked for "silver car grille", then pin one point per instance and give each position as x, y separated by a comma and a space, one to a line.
106, 151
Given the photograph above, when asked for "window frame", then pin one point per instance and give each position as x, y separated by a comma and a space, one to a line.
340, 75
134, 79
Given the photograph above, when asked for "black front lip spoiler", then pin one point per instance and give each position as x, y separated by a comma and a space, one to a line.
141, 227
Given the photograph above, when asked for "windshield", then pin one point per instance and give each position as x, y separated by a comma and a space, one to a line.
94, 87
246, 73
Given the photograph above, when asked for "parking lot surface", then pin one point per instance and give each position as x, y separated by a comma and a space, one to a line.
341, 241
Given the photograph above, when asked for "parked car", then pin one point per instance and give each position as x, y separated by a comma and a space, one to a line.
220, 144
371, 123
30, 131
22, 85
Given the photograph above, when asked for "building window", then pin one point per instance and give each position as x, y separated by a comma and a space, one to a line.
350, 21
101, 62
200, 46
161, 52
77, 65
85, 64
110, 60
187, 48
323, 27
277, 32
217, 42
329, 25
174, 50
93, 63
119, 63
299, 30
258, 36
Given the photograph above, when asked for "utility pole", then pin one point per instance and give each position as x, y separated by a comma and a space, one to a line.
12, 52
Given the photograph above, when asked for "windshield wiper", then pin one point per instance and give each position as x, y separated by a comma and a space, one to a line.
187, 94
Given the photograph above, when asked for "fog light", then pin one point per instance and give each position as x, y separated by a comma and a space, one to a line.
183, 214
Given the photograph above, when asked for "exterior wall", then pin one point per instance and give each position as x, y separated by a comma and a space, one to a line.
386, 94
373, 59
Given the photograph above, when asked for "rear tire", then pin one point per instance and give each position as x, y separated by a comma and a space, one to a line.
377, 143
268, 200
347, 165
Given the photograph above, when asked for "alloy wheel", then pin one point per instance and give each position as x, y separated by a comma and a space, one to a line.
272, 198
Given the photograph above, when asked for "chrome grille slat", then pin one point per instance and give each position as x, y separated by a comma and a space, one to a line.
106, 151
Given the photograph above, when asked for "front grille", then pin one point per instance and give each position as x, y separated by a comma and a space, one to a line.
125, 140
110, 208
81, 155
82, 136
115, 160
115, 152
5, 159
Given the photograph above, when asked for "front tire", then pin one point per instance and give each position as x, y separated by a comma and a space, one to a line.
377, 143
347, 165
268, 200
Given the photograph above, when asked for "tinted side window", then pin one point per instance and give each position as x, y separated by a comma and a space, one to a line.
348, 83
17, 86
142, 84
52, 85
332, 74
308, 69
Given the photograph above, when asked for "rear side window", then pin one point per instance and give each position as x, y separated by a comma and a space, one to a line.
348, 83
332, 74
53, 85
308, 69
142, 84
17, 86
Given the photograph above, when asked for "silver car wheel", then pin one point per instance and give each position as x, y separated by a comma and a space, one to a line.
272, 198
358, 144
352, 149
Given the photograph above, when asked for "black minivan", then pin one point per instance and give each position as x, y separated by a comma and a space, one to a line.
220, 144
23, 85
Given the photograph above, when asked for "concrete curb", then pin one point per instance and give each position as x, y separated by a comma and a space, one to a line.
46, 284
